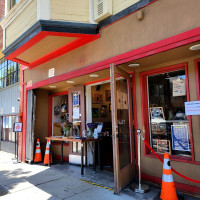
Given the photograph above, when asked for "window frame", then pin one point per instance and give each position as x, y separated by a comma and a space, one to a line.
145, 109
12, 4
4, 76
197, 73
2, 123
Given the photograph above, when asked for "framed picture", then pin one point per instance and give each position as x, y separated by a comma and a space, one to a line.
95, 112
103, 110
97, 98
157, 113
56, 110
108, 95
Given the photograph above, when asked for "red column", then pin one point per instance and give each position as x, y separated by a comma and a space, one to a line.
21, 111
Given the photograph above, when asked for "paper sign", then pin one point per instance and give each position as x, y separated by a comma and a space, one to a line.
51, 72
192, 108
179, 87
75, 112
180, 140
17, 127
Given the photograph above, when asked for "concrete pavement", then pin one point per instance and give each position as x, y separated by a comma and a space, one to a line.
27, 182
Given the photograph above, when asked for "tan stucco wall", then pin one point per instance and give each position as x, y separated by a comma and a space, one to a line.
162, 19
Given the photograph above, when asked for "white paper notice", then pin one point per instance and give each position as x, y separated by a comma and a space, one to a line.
192, 108
76, 113
179, 88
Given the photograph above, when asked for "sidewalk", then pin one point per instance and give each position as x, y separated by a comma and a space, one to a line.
27, 182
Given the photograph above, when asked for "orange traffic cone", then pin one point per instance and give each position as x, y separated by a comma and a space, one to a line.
168, 191
46, 157
38, 155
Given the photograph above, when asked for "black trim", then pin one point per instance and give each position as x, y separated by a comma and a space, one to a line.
51, 26
124, 13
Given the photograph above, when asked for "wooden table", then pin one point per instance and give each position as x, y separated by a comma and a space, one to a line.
82, 141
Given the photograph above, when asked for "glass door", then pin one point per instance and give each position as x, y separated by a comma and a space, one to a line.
123, 149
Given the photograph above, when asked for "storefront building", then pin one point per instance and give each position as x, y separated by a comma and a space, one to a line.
9, 94
132, 67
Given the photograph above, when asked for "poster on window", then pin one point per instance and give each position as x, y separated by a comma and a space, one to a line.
192, 108
76, 113
179, 87
180, 140
76, 99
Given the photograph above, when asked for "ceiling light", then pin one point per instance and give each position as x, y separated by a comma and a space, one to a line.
52, 86
134, 65
94, 75
70, 81
195, 47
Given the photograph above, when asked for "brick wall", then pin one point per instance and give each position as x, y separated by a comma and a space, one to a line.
2, 11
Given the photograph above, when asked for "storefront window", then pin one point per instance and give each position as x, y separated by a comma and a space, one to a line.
7, 128
169, 126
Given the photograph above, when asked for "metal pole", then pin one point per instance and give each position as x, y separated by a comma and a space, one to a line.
82, 167
49, 164
62, 152
139, 168
17, 147
140, 188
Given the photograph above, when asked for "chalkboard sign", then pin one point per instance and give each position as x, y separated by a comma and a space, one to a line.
157, 113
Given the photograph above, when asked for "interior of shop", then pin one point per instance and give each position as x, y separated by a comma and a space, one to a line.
58, 99
101, 114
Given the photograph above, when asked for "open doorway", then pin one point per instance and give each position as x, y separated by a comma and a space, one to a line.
94, 105
101, 113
